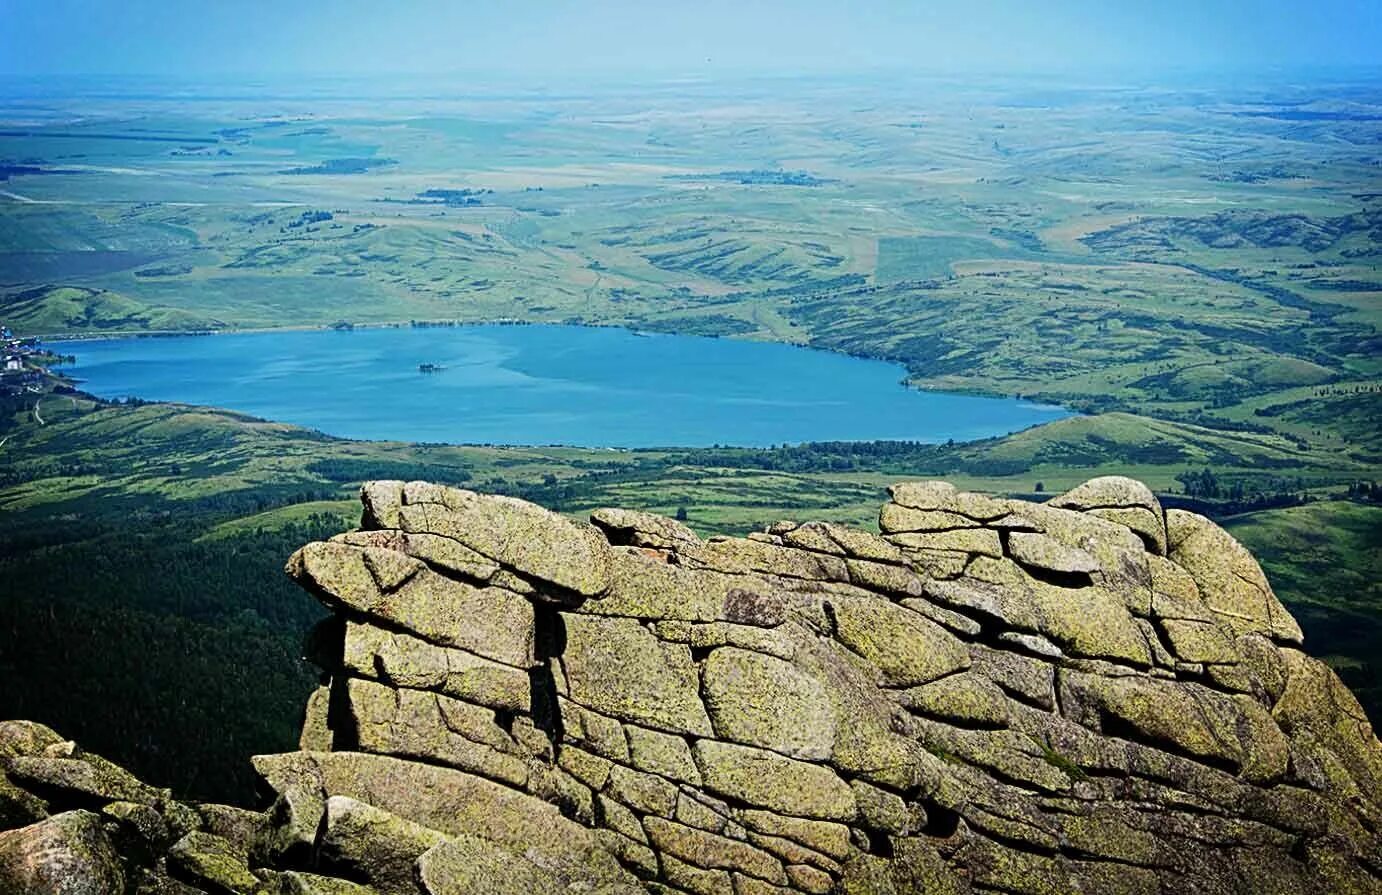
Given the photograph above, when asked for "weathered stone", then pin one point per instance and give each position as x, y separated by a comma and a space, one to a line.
744, 555
615, 815
66, 854
906, 648
294, 882
749, 885
25, 738
881, 810
1185, 718
1032, 643
361, 841
768, 780
981, 541
754, 607
1174, 592
764, 701
239, 826
446, 800
631, 528
895, 519
948, 618
885, 578
18, 807
450, 555
648, 793
492, 622
1121, 556
1230, 581
641, 587
553, 785
710, 851
937, 495
89, 779
143, 820
401, 660
1039, 551
1121, 500
1194, 641
1027, 678
634, 855
663, 754
808, 536
970, 699
685, 877
827, 538
1005, 600
1327, 723
213, 863
469, 865
942, 565
694, 812
382, 500
602, 735
532, 541
316, 733
435, 728
181, 818
822, 836
618, 667
1090, 621
790, 852
768, 641
590, 769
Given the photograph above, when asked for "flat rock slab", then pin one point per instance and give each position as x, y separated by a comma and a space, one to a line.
533, 541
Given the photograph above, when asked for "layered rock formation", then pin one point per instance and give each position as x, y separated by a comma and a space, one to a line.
1089, 695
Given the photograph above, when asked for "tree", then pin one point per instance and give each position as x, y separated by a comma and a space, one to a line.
681, 514
1199, 484
1040, 487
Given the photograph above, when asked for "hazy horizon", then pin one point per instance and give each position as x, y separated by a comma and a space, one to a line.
556, 43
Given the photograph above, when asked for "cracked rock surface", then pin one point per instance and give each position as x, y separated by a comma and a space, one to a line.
1088, 695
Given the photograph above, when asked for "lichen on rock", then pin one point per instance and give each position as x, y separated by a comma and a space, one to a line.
1089, 695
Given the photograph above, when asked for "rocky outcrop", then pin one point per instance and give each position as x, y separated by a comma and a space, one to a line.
1089, 695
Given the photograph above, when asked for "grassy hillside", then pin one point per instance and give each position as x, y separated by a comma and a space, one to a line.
75, 309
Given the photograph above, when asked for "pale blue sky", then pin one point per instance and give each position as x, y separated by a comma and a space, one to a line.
547, 39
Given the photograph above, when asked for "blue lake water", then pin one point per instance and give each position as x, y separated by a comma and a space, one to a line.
541, 385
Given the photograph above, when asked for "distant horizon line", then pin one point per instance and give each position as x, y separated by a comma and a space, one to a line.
667, 77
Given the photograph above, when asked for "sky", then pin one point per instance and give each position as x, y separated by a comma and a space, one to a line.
562, 39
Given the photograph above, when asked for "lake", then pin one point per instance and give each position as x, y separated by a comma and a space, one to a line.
542, 385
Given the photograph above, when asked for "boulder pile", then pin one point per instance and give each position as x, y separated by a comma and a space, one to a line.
1088, 695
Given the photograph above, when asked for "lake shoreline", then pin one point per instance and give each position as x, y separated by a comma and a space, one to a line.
613, 386
906, 381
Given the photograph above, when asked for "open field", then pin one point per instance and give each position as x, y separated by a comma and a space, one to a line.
1198, 270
